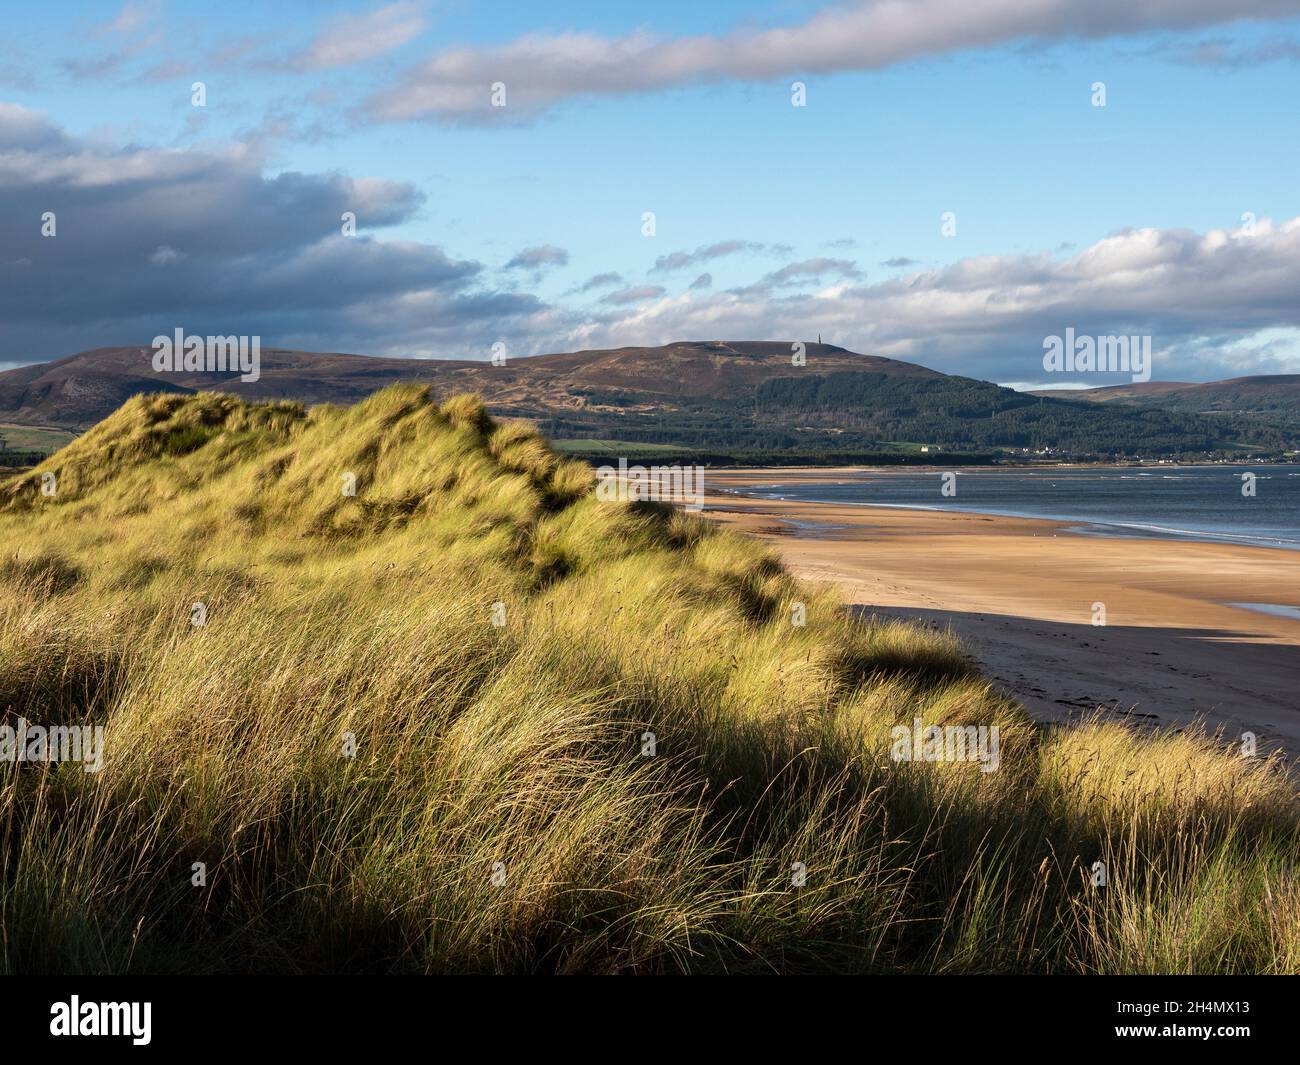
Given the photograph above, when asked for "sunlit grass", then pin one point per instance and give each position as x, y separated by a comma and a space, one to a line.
378, 778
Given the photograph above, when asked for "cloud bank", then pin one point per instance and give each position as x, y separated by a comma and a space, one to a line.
1216, 304
147, 240
542, 70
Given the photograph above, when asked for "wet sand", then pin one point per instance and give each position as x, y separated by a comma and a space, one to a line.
1022, 592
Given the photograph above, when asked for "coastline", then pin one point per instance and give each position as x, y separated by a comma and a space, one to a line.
1022, 594
743, 481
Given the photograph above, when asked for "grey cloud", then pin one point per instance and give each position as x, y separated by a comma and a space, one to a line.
600, 281
149, 240
808, 270
900, 262
703, 281
1279, 51
636, 294
815, 268
538, 258
679, 259
542, 70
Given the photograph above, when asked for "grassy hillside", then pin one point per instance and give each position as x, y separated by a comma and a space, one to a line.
1263, 410
501, 810
82, 389
812, 412
739, 400
1243, 395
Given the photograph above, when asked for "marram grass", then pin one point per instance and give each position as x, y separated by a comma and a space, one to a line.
499, 811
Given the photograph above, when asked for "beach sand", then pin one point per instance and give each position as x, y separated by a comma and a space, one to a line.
1021, 595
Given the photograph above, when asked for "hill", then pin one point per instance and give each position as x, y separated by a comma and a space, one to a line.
387, 689
1264, 409
83, 389
1241, 395
717, 398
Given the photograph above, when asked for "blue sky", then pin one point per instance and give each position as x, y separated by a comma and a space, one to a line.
823, 219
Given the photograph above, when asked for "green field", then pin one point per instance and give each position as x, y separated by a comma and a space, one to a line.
33, 438
612, 447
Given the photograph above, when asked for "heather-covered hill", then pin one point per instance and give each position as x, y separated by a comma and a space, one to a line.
84, 388
721, 398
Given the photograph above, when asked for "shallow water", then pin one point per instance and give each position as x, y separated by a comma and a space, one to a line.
1181, 502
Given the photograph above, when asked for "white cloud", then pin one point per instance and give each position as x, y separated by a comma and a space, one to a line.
165, 256
1220, 303
356, 38
541, 70
134, 16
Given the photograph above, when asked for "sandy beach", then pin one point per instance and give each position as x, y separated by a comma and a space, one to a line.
1021, 594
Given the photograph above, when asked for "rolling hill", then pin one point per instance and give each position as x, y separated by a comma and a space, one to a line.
741, 399
82, 389
1239, 395
1259, 408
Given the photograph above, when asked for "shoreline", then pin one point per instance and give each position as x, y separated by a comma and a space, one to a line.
1082, 526
1023, 594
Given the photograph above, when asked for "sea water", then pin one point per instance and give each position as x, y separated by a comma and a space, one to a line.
1213, 503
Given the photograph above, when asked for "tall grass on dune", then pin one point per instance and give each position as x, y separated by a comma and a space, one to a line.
445, 711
